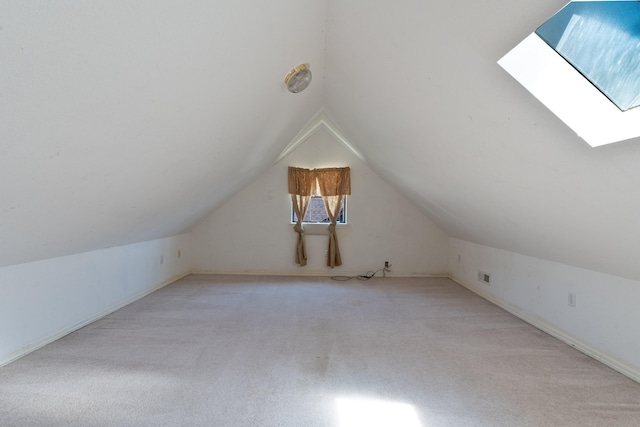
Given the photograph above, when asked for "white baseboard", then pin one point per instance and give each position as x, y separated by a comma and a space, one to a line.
612, 362
311, 273
66, 331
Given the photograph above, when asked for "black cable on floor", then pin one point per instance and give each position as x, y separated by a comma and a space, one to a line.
366, 276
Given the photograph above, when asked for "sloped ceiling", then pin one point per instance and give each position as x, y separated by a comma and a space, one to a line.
126, 121
415, 86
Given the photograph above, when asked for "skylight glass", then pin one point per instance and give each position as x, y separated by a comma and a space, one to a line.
601, 39
584, 65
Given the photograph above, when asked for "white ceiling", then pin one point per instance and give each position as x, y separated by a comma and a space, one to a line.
127, 121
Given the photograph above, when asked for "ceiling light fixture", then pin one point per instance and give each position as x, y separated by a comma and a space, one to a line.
298, 79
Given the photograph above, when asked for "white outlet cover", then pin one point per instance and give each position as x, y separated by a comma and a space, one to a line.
572, 299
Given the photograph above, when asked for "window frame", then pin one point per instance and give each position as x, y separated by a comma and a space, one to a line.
344, 214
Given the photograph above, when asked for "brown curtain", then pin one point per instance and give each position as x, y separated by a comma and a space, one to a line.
333, 185
301, 187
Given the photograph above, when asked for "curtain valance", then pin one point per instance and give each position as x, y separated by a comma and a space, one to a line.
321, 182
302, 182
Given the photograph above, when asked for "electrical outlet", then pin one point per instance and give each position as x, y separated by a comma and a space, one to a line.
572, 299
386, 269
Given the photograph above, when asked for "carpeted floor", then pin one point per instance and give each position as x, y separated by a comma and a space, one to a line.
282, 351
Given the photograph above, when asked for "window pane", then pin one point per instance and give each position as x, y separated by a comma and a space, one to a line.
601, 40
316, 212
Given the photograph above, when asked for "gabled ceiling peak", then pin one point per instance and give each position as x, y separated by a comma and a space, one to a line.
321, 120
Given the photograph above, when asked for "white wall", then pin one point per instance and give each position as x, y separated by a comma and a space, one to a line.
604, 322
251, 233
44, 300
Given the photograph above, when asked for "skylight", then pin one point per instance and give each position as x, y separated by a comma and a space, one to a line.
583, 64
600, 39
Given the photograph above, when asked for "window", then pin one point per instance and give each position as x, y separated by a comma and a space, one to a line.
333, 184
600, 40
582, 65
317, 213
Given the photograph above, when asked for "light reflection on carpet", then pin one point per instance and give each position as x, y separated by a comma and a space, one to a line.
356, 411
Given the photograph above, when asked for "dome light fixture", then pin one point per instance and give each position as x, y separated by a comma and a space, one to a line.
298, 79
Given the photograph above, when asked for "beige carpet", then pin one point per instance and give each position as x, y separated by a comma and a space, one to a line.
276, 351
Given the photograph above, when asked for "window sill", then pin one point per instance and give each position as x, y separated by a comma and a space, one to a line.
319, 229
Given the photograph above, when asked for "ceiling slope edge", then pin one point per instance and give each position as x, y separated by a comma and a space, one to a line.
321, 120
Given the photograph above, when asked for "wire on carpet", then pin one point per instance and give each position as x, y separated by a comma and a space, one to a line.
366, 276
